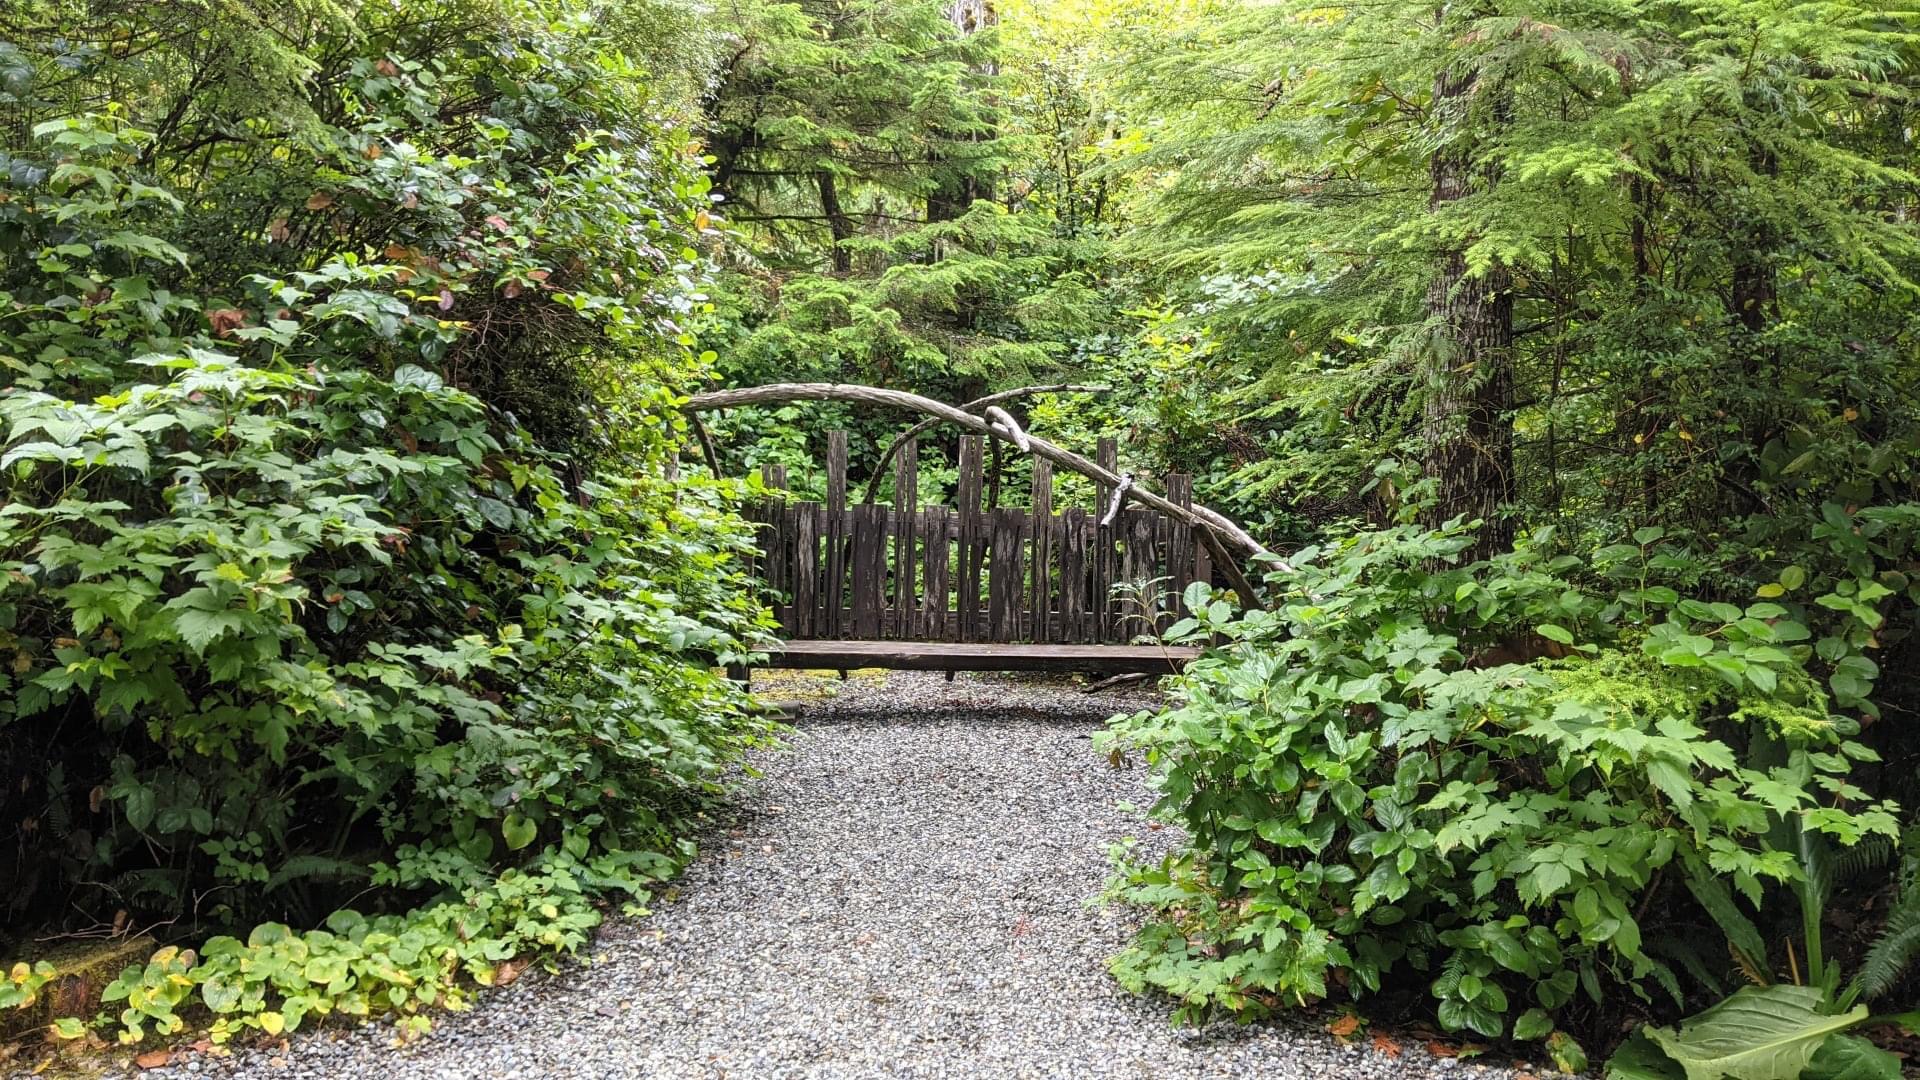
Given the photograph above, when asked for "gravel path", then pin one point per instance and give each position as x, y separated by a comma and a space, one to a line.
904, 895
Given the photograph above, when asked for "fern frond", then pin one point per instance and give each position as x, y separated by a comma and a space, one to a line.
1862, 858
1895, 951
324, 867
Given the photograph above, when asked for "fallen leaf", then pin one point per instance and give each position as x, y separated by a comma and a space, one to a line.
277, 231
1440, 1049
1384, 1044
387, 68
1344, 1026
154, 1059
396, 252
508, 971
319, 200
372, 152
510, 290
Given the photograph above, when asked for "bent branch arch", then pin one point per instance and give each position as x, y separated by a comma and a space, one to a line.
1213, 526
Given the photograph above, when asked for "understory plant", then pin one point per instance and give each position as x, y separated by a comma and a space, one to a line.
1493, 779
361, 634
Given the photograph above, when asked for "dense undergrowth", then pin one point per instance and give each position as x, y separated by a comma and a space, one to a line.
360, 631
1548, 789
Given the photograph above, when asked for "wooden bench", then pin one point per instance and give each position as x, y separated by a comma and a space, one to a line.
981, 656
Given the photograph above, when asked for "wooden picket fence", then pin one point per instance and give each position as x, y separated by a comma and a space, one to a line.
968, 573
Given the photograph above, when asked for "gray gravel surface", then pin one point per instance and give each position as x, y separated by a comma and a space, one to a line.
905, 893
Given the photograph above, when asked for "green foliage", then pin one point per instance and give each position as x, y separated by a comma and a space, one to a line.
1481, 775
24, 983
357, 967
1771, 1033
342, 545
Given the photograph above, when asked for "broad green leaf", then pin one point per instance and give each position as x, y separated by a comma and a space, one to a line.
1850, 1057
1759, 1033
1639, 1059
1533, 1024
517, 831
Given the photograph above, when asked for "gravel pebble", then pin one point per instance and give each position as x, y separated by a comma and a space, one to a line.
905, 893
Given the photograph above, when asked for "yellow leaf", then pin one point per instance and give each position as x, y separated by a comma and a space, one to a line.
273, 1022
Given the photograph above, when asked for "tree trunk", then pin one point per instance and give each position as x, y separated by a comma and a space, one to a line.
837, 223
1468, 376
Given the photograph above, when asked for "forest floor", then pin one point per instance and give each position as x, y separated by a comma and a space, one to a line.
905, 891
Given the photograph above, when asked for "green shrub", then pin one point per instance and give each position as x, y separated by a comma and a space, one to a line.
1486, 777
298, 608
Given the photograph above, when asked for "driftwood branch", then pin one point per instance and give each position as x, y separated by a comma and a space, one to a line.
1199, 516
1119, 497
880, 470
1010, 427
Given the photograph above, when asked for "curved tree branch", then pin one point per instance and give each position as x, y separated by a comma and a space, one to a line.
880, 470
900, 399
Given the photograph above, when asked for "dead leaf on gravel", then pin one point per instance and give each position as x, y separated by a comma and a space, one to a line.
154, 1059
1440, 1049
509, 970
1385, 1045
1345, 1026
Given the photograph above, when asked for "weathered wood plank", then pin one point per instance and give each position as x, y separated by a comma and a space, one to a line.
1006, 583
775, 542
906, 504
806, 569
1040, 599
1180, 544
1074, 528
1143, 566
981, 656
972, 530
869, 568
1103, 554
834, 592
934, 625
